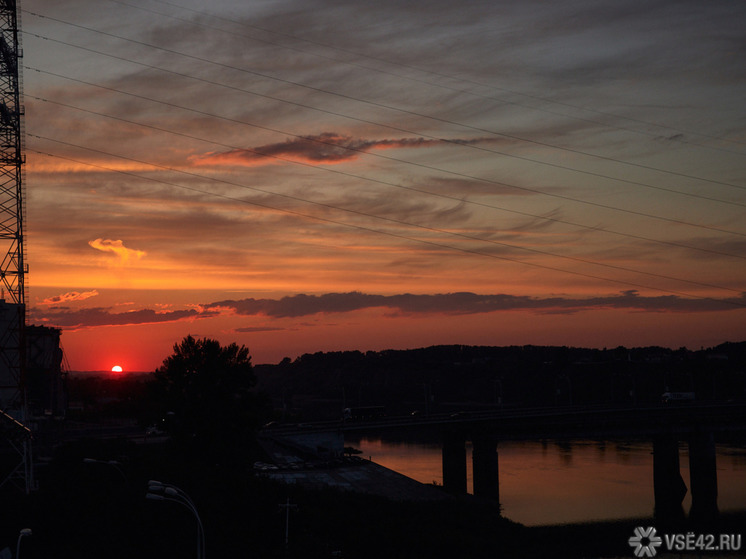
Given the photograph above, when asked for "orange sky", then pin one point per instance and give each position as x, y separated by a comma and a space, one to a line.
313, 176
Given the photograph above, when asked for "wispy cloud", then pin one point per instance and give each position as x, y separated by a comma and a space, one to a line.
68, 297
117, 247
327, 147
99, 316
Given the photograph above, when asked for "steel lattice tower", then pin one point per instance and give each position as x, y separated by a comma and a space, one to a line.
12, 204
13, 404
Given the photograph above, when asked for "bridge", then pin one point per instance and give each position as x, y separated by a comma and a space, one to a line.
666, 425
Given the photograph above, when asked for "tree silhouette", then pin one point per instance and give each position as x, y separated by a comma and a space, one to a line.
205, 394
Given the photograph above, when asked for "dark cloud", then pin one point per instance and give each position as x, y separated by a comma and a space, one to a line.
467, 303
453, 304
327, 147
89, 318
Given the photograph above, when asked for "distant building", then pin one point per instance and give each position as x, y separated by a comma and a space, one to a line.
45, 379
45, 390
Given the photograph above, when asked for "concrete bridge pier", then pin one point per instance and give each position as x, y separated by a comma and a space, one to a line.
454, 462
668, 486
703, 477
485, 467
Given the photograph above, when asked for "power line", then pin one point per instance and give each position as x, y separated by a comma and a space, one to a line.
409, 224
458, 90
434, 118
403, 161
369, 229
439, 74
336, 171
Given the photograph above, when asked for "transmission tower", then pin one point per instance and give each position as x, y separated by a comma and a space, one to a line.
13, 403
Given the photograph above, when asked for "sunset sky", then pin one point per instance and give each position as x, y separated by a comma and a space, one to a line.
316, 175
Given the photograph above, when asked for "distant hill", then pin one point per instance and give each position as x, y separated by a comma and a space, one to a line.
458, 377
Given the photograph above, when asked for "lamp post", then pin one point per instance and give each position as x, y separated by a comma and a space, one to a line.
158, 491
24, 532
287, 506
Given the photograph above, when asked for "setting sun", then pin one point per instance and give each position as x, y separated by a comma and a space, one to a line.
116, 369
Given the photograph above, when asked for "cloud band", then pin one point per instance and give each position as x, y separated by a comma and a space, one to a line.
465, 303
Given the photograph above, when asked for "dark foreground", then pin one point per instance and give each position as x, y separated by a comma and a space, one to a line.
94, 510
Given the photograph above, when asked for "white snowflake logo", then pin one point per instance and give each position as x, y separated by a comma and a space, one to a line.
645, 541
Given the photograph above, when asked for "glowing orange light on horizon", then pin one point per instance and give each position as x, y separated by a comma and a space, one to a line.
116, 369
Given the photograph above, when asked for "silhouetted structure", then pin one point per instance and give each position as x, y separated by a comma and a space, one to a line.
12, 266
45, 378
664, 424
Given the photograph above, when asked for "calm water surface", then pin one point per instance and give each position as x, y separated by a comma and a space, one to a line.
553, 482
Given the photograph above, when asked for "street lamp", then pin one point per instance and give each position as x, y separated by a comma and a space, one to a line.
24, 532
158, 491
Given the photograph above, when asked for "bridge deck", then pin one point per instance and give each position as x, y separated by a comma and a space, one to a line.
532, 423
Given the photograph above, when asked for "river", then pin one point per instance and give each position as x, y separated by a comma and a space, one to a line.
557, 482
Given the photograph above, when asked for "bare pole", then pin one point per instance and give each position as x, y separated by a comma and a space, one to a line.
287, 506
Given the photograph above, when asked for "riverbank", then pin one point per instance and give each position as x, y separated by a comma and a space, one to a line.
93, 510
359, 478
